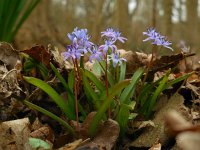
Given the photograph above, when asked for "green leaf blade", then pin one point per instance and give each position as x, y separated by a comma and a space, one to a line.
53, 94
129, 90
105, 105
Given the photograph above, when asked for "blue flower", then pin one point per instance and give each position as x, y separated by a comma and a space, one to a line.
156, 38
162, 42
113, 34
119, 37
116, 59
80, 39
72, 53
108, 44
95, 54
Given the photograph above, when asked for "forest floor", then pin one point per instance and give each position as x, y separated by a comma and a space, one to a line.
173, 125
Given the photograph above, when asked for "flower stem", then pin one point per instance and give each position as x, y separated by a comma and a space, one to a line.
76, 92
149, 65
106, 76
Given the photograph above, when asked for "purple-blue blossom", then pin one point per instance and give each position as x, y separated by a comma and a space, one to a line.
80, 38
108, 44
163, 42
116, 59
113, 35
119, 37
156, 38
72, 53
110, 37
95, 54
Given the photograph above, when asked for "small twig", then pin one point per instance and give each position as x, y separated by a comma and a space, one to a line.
7, 73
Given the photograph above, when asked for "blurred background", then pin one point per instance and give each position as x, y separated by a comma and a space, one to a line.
51, 20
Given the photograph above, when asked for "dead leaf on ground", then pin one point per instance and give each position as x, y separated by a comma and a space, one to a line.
165, 62
188, 140
8, 54
139, 125
43, 133
14, 134
39, 53
152, 134
36, 125
9, 83
190, 92
175, 124
72, 146
57, 58
134, 60
105, 138
85, 125
156, 146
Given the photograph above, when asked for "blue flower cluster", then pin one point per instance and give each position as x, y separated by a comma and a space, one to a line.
156, 38
81, 45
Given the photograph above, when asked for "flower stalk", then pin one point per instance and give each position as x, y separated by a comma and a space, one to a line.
76, 79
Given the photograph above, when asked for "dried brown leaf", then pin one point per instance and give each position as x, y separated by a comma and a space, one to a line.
44, 133
176, 124
105, 138
188, 140
8, 55
14, 134
39, 53
156, 147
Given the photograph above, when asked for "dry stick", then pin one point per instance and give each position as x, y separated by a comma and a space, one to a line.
76, 95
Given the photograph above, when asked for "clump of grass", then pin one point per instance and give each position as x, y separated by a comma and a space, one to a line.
13, 13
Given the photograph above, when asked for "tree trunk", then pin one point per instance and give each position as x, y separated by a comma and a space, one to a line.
192, 17
122, 18
168, 4
97, 24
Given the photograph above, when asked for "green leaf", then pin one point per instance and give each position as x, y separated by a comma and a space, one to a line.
146, 90
157, 92
95, 80
82, 62
122, 118
31, 5
43, 70
129, 90
50, 114
11, 21
29, 65
132, 105
132, 116
96, 69
38, 143
71, 80
59, 76
122, 71
53, 94
170, 83
70, 95
105, 105
90, 93
111, 79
